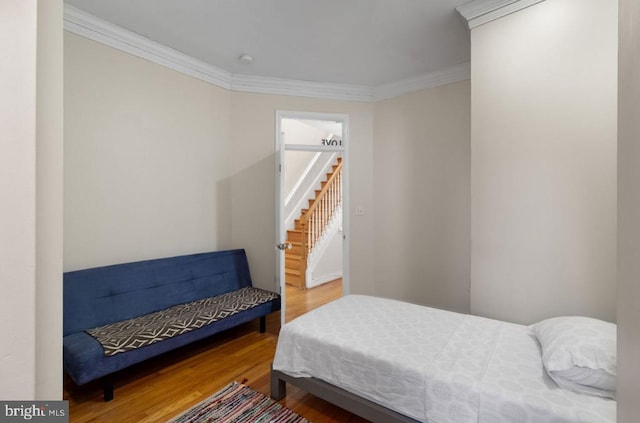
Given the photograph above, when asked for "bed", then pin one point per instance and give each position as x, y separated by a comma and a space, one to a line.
390, 361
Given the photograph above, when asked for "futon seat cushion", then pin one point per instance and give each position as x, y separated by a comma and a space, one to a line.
155, 327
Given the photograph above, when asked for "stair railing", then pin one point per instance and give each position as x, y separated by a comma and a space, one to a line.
316, 219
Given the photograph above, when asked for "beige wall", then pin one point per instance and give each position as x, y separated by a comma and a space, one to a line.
629, 214
30, 188
158, 163
421, 179
49, 198
146, 157
543, 162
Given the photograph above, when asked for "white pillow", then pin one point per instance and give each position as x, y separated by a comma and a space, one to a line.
579, 353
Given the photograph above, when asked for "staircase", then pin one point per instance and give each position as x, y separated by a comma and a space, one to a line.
310, 226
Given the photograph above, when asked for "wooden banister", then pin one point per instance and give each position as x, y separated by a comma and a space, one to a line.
320, 212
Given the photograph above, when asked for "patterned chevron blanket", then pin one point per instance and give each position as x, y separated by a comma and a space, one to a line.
151, 328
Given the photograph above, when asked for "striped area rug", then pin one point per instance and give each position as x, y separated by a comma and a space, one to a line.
238, 403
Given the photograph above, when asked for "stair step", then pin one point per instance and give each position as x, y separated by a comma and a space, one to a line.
294, 235
292, 264
296, 248
293, 272
293, 254
298, 226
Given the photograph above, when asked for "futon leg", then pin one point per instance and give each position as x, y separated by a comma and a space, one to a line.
263, 324
107, 383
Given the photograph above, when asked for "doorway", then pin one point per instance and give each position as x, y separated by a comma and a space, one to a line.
311, 193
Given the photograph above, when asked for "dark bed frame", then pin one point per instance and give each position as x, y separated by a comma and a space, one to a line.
343, 399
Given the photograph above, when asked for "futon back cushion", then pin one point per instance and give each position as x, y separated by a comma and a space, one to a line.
101, 295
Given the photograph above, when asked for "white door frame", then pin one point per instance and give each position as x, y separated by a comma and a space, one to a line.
280, 149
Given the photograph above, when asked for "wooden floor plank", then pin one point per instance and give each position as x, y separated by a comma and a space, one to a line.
165, 386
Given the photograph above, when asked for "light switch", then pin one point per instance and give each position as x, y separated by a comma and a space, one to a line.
359, 211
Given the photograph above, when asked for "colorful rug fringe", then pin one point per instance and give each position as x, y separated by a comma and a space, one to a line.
238, 403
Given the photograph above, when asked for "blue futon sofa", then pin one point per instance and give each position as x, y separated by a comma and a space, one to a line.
199, 294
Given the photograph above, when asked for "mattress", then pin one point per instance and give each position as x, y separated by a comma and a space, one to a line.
432, 365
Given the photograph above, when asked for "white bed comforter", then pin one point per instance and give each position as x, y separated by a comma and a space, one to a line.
432, 365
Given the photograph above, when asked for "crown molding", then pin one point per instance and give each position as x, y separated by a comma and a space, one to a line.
96, 29
89, 26
480, 12
266, 85
446, 76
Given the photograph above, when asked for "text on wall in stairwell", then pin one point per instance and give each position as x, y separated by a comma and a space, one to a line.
330, 142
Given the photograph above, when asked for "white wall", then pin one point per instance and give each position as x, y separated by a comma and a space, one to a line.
629, 214
30, 188
296, 132
328, 266
18, 33
146, 159
543, 164
295, 164
421, 180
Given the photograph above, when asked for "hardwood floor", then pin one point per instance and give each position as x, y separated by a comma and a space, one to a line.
163, 387
300, 301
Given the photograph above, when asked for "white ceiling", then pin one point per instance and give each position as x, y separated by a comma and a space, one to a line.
356, 42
